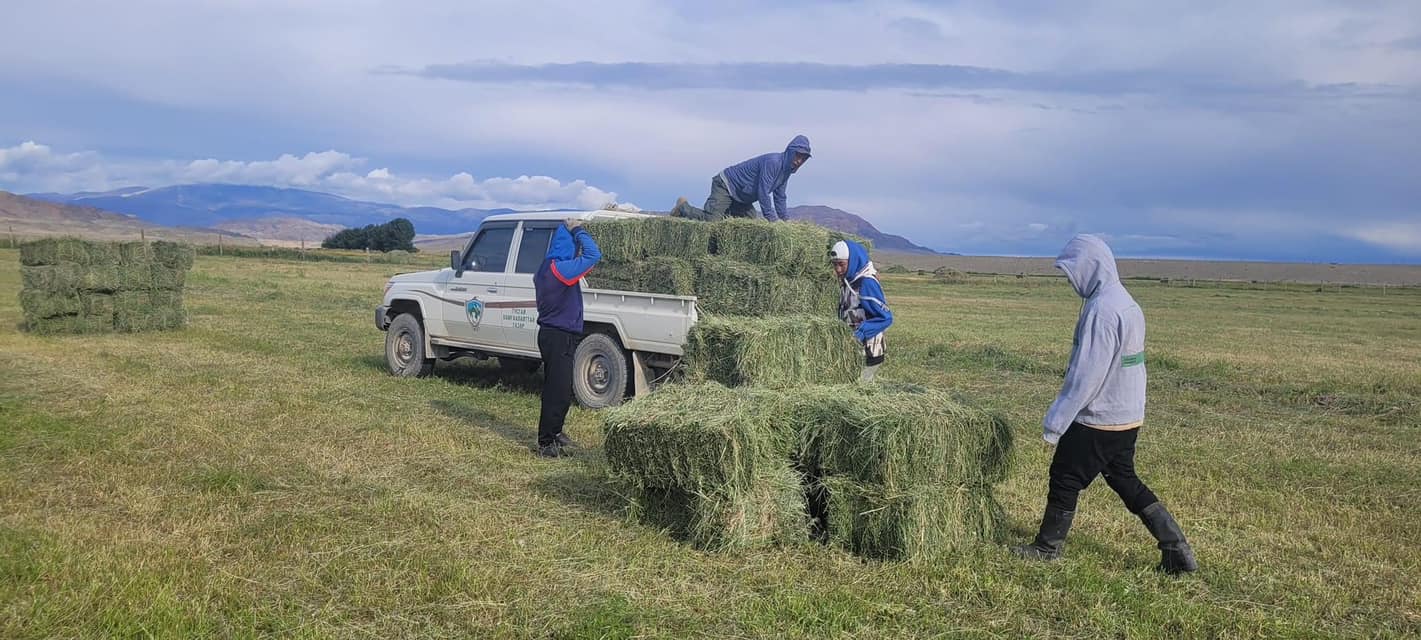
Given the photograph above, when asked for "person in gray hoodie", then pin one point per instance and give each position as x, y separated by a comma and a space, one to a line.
1097, 416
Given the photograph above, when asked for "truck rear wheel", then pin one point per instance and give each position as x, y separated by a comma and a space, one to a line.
404, 348
599, 372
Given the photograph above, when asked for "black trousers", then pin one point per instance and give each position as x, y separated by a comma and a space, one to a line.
556, 346
1084, 453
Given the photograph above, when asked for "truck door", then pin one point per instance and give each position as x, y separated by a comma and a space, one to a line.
466, 312
521, 316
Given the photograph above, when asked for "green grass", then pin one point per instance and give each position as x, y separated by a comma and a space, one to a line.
256, 474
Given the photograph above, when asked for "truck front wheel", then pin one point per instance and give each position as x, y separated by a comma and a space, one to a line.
599, 372
404, 348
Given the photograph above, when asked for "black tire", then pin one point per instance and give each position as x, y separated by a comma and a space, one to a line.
599, 372
518, 366
404, 348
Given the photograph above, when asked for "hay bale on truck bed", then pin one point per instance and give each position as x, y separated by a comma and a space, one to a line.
731, 287
635, 239
790, 248
703, 461
777, 352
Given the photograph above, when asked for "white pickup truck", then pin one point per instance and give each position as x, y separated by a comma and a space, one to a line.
482, 306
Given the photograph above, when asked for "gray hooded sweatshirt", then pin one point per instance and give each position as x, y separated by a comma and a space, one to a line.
1105, 382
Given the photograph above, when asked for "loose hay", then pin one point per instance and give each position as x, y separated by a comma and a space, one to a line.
775, 352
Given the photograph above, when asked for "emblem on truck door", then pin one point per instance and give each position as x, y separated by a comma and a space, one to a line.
475, 310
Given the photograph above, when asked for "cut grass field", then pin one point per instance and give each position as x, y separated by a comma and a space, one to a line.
257, 474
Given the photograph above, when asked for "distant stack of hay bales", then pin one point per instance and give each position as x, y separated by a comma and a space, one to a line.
78, 286
768, 422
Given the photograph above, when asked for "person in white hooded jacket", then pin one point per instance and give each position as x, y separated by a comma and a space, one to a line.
1096, 418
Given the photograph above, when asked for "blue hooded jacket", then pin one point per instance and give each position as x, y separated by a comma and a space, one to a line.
557, 283
763, 178
862, 280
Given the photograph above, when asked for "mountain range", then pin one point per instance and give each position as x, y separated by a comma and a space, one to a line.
275, 213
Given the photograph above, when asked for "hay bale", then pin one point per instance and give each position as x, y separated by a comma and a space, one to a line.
39, 304
615, 275
148, 310
870, 521
784, 351
701, 438
177, 256
668, 275
635, 239
61, 250
731, 287
706, 462
791, 248
69, 277
770, 512
900, 440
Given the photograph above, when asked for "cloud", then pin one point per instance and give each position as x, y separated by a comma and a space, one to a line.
1401, 237
813, 76
30, 166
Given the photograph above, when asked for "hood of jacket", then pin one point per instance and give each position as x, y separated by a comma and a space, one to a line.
1089, 264
799, 144
859, 264
562, 246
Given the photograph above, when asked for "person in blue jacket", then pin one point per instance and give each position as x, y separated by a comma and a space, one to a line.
557, 288
760, 179
861, 302
1097, 416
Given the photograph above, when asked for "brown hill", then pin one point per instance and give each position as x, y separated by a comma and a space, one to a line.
840, 220
281, 228
23, 218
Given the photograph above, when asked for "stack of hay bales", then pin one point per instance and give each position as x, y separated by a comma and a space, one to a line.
767, 296
78, 286
903, 473
768, 418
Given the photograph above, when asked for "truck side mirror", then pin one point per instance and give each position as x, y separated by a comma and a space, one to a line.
455, 263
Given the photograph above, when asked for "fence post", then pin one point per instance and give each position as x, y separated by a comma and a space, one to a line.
367, 254
219, 244
303, 248
13, 243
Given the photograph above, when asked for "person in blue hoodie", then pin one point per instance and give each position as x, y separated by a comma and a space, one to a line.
558, 290
1096, 418
760, 179
861, 302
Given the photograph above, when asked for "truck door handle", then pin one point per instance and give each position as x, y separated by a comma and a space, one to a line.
458, 289
492, 289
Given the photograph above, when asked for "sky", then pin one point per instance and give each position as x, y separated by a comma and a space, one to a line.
1261, 130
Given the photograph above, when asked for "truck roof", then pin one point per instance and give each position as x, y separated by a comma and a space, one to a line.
564, 215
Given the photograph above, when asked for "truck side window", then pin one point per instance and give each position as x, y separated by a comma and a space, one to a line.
490, 250
533, 249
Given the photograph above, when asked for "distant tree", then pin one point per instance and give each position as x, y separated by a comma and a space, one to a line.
397, 234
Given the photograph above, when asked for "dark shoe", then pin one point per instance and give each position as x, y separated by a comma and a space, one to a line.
564, 441
553, 450
1051, 540
1175, 554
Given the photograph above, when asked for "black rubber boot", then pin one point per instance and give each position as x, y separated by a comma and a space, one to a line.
1051, 540
1175, 555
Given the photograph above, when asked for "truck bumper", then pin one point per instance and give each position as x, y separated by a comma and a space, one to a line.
382, 318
